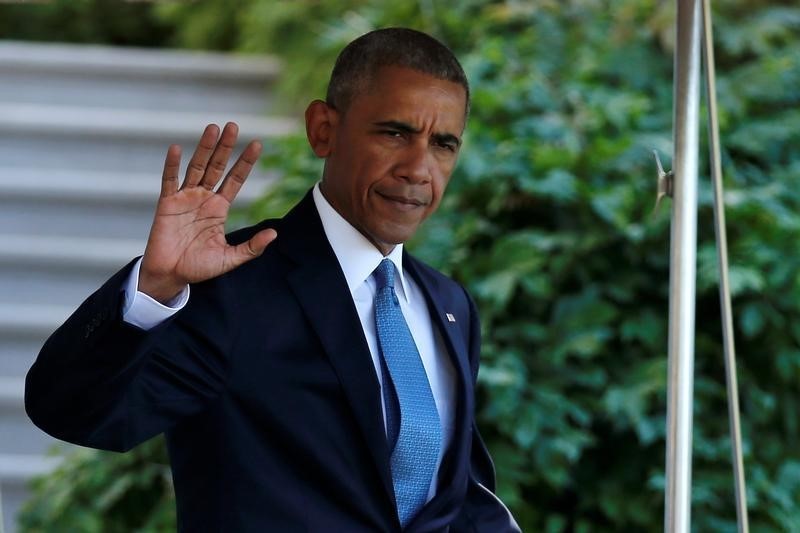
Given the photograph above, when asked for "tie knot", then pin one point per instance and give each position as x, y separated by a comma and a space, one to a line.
384, 274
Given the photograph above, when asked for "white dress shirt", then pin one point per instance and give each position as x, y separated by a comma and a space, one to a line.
358, 258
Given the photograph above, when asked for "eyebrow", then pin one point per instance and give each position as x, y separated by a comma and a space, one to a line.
408, 128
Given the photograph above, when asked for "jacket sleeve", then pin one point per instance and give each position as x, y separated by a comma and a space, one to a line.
101, 382
483, 511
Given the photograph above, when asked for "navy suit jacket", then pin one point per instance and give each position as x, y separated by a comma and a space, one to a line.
265, 389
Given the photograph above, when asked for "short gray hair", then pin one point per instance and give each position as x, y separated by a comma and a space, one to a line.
360, 61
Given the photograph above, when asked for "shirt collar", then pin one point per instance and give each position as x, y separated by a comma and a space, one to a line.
356, 255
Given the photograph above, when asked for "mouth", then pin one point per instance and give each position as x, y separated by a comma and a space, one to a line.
401, 202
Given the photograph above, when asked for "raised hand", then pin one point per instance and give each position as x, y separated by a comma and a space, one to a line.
187, 240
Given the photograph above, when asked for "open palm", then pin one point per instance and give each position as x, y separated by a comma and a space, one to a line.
187, 240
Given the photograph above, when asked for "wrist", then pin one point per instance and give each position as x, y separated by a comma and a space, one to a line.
159, 288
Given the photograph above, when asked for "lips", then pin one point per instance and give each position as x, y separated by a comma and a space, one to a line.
407, 202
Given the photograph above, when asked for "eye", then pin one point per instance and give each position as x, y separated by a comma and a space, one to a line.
447, 145
392, 133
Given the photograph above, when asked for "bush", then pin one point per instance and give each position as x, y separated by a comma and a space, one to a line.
105, 492
548, 223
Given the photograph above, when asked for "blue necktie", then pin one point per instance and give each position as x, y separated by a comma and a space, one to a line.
413, 428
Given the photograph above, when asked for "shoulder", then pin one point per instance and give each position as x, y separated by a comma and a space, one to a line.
429, 274
440, 286
301, 220
243, 234
453, 302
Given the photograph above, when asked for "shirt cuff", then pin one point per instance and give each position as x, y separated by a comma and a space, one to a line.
143, 311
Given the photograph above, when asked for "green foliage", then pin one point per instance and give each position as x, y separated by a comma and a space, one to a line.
104, 492
306, 33
83, 21
548, 222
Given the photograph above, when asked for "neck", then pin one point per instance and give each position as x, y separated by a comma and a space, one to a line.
384, 248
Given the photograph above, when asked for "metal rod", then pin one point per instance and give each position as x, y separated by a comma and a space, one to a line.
724, 283
683, 268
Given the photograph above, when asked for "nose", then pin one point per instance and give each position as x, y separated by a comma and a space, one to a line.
415, 164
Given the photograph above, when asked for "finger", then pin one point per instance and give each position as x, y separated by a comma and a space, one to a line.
253, 248
240, 170
197, 165
169, 178
219, 159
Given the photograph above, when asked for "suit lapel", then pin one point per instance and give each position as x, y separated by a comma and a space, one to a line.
322, 291
438, 302
441, 303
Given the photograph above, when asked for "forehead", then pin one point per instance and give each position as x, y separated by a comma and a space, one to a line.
410, 95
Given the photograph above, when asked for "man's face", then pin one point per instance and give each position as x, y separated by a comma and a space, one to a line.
392, 153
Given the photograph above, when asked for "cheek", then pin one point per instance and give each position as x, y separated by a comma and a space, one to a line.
447, 167
441, 181
443, 167
437, 192
372, 168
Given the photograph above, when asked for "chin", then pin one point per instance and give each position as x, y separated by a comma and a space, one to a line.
384, 238
390, 235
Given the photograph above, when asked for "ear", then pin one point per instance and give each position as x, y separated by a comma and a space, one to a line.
321, 122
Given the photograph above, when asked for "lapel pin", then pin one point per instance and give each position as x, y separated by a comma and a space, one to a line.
450, 317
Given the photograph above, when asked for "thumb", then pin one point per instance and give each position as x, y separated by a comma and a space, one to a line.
254, 247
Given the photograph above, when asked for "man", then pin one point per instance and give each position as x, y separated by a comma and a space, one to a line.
308, 373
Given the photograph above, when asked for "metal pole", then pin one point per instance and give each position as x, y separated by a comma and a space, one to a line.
724, 283
677, 512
